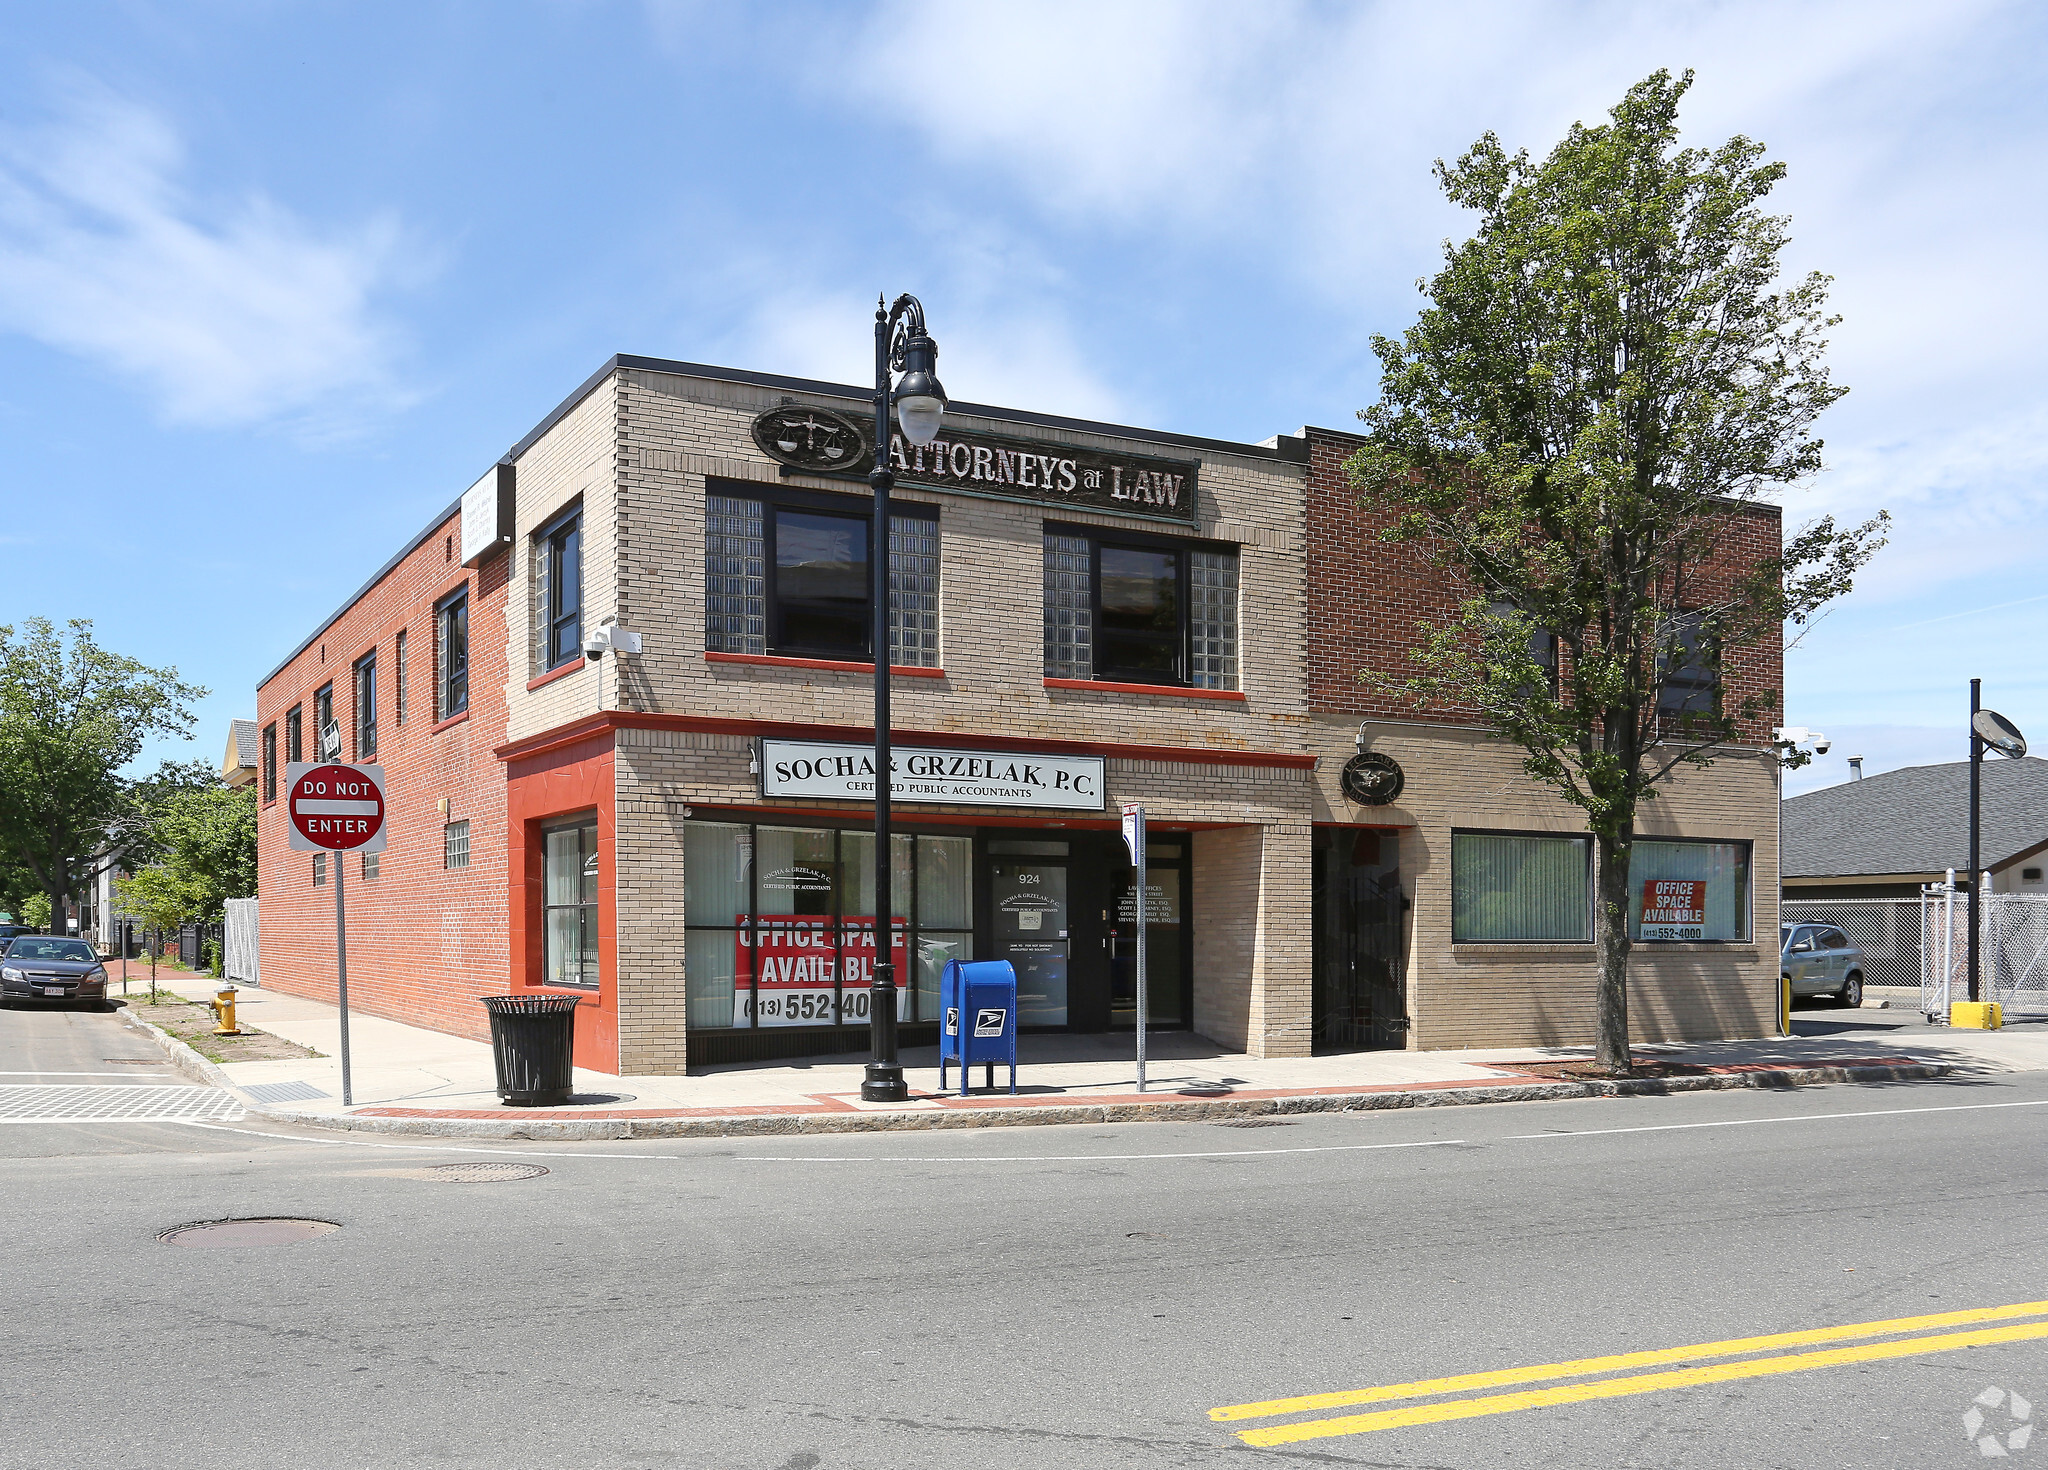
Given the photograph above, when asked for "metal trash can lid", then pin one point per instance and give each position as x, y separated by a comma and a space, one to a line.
530, 1005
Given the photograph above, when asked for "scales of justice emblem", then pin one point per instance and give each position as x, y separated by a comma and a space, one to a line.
810, 438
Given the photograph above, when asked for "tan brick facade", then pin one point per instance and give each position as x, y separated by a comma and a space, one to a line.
650, 740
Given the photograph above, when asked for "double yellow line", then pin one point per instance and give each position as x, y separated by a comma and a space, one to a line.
1688, 1376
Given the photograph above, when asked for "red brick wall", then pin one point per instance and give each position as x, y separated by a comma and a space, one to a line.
1366, 597
424, 941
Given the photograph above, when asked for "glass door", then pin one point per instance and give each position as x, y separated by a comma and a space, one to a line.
1165, 938
1028, 906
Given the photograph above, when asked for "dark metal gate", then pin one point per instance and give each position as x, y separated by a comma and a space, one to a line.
1360, 999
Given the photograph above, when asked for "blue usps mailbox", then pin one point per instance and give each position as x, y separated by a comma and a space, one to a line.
978, 1018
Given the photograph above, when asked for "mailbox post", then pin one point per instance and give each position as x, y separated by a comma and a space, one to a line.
978, 1000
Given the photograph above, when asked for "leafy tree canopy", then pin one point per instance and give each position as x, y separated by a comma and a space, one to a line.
1604, 376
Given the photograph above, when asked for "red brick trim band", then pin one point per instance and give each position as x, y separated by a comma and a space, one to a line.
553, 674
610, 720
449, 723
838, 666
1171, 691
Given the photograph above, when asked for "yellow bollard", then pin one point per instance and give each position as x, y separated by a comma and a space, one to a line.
1977, 1015
1785, 1005
223, 1005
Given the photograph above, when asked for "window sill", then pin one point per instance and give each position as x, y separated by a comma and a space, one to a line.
772, 661
449, 723
1171, 691
563, 672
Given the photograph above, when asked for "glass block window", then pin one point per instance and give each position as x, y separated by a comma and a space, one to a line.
1069, 608
455, 845
1212, 619
735, 580
914, 591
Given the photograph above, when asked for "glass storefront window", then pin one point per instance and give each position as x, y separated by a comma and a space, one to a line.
1680, 891
569, 894
780, 923
1509, 888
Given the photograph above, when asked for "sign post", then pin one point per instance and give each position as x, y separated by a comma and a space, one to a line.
336, 809
1134, 838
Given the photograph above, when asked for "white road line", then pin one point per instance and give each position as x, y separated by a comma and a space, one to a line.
165, 1065
432, 1148
1226, 1153
1798, 1118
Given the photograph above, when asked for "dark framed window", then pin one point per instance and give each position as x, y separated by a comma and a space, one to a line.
560, 546
1521, 887
789, 573
455, 844
1688, 890
294, 745
326, 734
270, 761
366, 707
451, 655
780, 922
398, 679
569, 896
1134, 609
1690, 662
1542, 646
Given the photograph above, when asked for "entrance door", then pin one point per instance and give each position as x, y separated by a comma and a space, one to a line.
1360, 999
1031, 926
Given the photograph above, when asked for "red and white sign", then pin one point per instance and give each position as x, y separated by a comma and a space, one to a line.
1674, 908
784, 969
334, 807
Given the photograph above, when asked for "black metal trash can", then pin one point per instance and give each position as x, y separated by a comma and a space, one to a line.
532, 1037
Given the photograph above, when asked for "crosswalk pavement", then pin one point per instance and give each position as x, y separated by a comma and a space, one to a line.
23, 1102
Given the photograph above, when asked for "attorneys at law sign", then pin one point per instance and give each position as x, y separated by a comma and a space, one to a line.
920, 773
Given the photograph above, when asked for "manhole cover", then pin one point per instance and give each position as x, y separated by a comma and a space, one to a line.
477, 1173
1257, 1123
216, 1234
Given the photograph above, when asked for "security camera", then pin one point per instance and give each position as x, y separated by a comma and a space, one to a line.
1821, 745
595, 642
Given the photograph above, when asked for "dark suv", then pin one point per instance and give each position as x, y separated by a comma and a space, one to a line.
41, 968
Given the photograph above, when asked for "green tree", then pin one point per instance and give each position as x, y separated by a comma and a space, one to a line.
1603, 376
72, 716
163, 901
206, 836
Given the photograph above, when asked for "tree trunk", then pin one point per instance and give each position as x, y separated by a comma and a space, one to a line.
58, 898
1611, 946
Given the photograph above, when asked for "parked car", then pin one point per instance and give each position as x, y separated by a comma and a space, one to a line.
39, 968
1820, 959
12, 931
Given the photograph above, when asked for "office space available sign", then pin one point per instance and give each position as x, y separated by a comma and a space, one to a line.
1674, 908
785, 964
919, 773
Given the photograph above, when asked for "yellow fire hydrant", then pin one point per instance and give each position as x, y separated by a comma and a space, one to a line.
223, 1004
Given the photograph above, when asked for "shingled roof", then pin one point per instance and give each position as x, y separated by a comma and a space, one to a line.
1916, 820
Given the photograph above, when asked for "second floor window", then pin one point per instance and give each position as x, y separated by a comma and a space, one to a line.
791, 576
1139, 610
270, 762
398, 679
561, 591
1692, 679
326, 734
451, 656
294, 743
366, 707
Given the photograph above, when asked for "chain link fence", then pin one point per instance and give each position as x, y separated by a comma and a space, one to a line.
1888, 931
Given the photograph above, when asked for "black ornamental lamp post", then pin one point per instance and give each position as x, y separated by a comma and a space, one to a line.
901, 342
1989, 730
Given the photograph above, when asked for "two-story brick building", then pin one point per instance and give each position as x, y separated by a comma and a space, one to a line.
1082, 615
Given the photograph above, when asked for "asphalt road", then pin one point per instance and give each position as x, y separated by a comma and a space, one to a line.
1039, 1297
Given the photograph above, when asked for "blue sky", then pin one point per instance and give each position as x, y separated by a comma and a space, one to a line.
277, 281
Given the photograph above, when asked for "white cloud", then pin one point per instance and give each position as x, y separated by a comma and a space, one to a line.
222, 313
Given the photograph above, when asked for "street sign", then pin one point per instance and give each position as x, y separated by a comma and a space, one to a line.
334, 807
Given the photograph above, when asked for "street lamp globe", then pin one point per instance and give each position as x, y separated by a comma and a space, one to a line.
920, 398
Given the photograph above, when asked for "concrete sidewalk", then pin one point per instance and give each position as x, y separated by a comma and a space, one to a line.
409, 1079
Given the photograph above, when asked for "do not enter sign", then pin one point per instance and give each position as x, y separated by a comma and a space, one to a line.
335, 808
